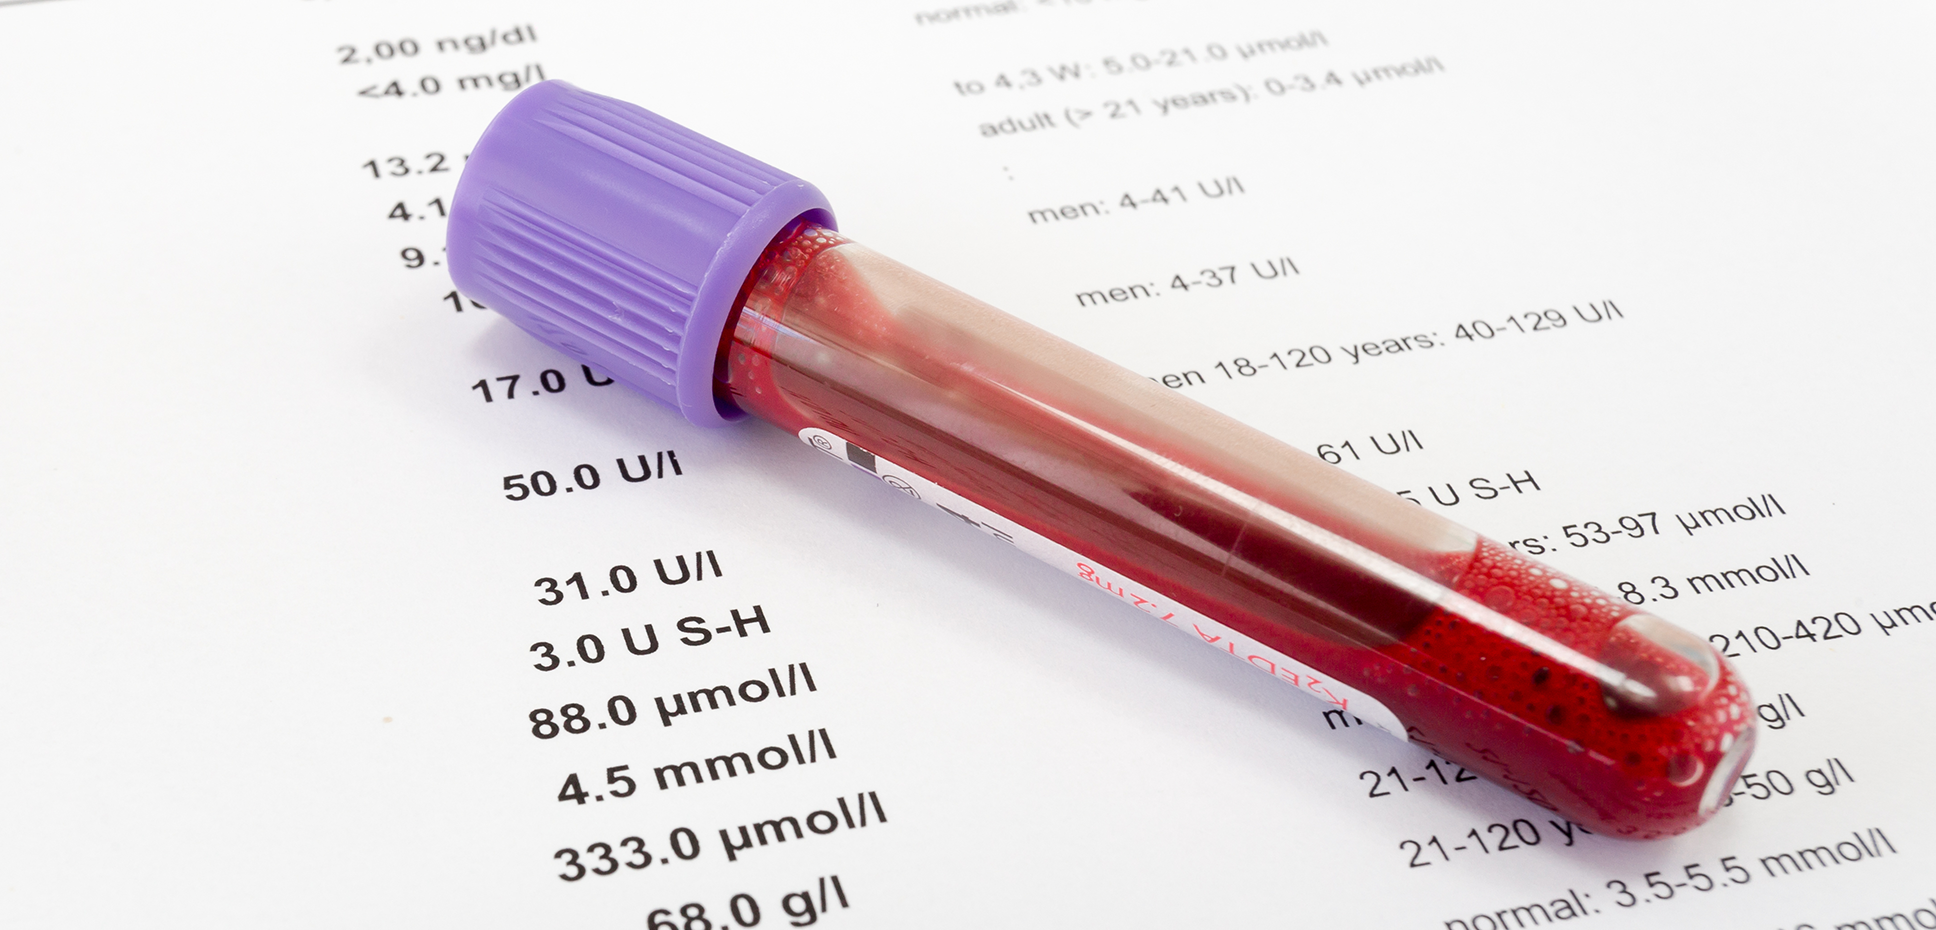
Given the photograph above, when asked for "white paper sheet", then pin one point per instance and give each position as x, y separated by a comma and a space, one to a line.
270, 619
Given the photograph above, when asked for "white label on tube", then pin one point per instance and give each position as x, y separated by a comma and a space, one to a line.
1276, 664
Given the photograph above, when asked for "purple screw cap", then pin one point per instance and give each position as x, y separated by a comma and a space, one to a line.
618, 236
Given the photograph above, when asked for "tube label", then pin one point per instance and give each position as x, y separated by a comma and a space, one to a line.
1337, 695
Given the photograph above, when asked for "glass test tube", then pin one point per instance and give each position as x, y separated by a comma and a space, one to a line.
1383, 610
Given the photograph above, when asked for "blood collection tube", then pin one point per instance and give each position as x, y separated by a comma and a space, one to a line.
719, 285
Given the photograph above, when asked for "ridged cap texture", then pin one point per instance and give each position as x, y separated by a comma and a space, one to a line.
617, 236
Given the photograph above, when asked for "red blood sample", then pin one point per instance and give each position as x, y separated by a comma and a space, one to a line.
1548, 730
1546, 685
